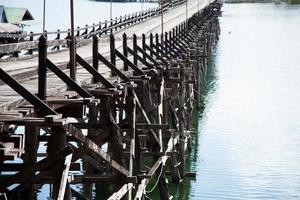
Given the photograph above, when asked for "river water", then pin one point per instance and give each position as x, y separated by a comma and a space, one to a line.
249, 132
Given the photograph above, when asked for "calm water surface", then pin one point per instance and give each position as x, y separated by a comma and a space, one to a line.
249, 132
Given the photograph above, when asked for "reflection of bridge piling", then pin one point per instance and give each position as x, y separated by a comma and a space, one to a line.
114, 134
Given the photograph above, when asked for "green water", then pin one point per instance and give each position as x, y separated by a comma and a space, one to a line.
248, 144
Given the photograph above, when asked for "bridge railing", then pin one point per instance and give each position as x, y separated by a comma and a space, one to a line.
27, 43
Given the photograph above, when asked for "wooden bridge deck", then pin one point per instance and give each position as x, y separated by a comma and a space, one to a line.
24, 70
171, 18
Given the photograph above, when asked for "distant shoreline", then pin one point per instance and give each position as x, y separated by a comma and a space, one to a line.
263, 1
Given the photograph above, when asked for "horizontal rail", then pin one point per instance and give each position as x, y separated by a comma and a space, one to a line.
27, 41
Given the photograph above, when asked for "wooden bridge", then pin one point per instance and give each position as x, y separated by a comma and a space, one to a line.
115, 122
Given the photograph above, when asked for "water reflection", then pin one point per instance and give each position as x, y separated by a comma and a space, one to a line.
249, 143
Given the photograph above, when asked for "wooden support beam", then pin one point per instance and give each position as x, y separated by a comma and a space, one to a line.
145, 116
72, 130
129, 63
138, 57
70, 82
64, 178
152, 52
41, 107
113, 68
119, 194
146, 55
97, 76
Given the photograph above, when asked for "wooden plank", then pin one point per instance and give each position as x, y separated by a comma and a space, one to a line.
119, 194
72, 130
162, 160
64, 177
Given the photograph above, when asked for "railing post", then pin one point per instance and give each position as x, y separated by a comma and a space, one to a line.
116, 22
125, 52
105, 32
68, 37
42, 68
110, 27
30, 51
99, 28
58, 37
135, 61
95, 56
151, 43
166, 38
173, 37
124, 20
156, 41
93, 29
78, 31
86, 31
112, 52
144, 45
120, 22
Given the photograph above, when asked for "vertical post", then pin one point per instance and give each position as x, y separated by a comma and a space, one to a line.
116, 22
182, 133
42, 68
58, 37
156, 40
30, 51
72, 45
110, 26
173, 35
144, 45
110, 15
120, 22
93, 29
105, 27
99, 28
162, 20
95, 56
57, 141
151, 43
112, 52
133, 159
77, 32
125, 52
44, 15
135, 61
30, 156
166, 39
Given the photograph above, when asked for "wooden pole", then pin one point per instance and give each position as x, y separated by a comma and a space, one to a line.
42, 68
162, 20
44, 15
95, 56
72, 44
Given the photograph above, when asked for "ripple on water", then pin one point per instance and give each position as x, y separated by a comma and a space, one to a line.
249, 133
